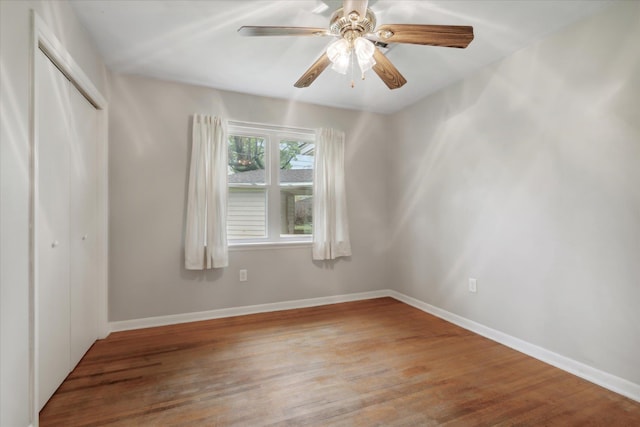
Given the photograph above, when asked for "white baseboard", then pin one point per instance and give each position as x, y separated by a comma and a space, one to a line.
151, 322
596, 376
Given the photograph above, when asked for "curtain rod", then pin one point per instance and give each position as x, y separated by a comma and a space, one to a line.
305, 131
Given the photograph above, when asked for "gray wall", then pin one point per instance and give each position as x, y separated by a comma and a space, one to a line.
15, 39
149, 157
525, 176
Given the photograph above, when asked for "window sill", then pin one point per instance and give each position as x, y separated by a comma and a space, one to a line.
261, 246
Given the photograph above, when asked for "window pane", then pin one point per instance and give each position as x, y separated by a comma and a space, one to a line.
296, 210
296, 162
246, 213
246, 160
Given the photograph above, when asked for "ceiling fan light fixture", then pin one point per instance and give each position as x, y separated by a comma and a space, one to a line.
339, 53
364, 52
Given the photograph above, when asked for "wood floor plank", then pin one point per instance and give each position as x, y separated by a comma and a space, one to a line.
374, 362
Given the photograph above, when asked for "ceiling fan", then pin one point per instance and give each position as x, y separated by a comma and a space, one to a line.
354, 25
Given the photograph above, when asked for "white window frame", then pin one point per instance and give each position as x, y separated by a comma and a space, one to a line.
272, 135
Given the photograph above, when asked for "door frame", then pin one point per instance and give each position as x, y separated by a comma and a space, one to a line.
44, 39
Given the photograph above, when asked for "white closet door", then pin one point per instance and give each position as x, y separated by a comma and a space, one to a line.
52, 273
67, 227
84, 226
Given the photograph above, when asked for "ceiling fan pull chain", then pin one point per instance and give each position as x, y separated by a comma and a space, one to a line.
353, 82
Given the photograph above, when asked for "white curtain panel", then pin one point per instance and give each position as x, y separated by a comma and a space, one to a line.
205, 243
330, 224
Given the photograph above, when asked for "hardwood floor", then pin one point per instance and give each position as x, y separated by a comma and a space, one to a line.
365, 363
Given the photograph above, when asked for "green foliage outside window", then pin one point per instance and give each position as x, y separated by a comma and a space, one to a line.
289, 150
247, 153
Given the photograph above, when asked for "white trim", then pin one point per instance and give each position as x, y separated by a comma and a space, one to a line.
103, 221
51, 46
272, 128
272, 135
33, 177
262, 246
43, 39
579, 369
151, 322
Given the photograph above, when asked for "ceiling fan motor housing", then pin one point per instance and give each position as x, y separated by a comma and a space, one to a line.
352, 26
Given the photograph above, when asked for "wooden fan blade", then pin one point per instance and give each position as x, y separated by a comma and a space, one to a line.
359, 6
282, 31
387, 71
434, 35
314, 71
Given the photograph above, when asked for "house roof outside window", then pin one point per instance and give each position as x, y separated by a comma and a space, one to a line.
287, 176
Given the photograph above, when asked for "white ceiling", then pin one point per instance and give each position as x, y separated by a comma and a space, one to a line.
197, 42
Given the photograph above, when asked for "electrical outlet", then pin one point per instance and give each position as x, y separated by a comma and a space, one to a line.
243, 275
473, 285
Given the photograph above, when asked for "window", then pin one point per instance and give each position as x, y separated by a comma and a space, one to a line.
270, 174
